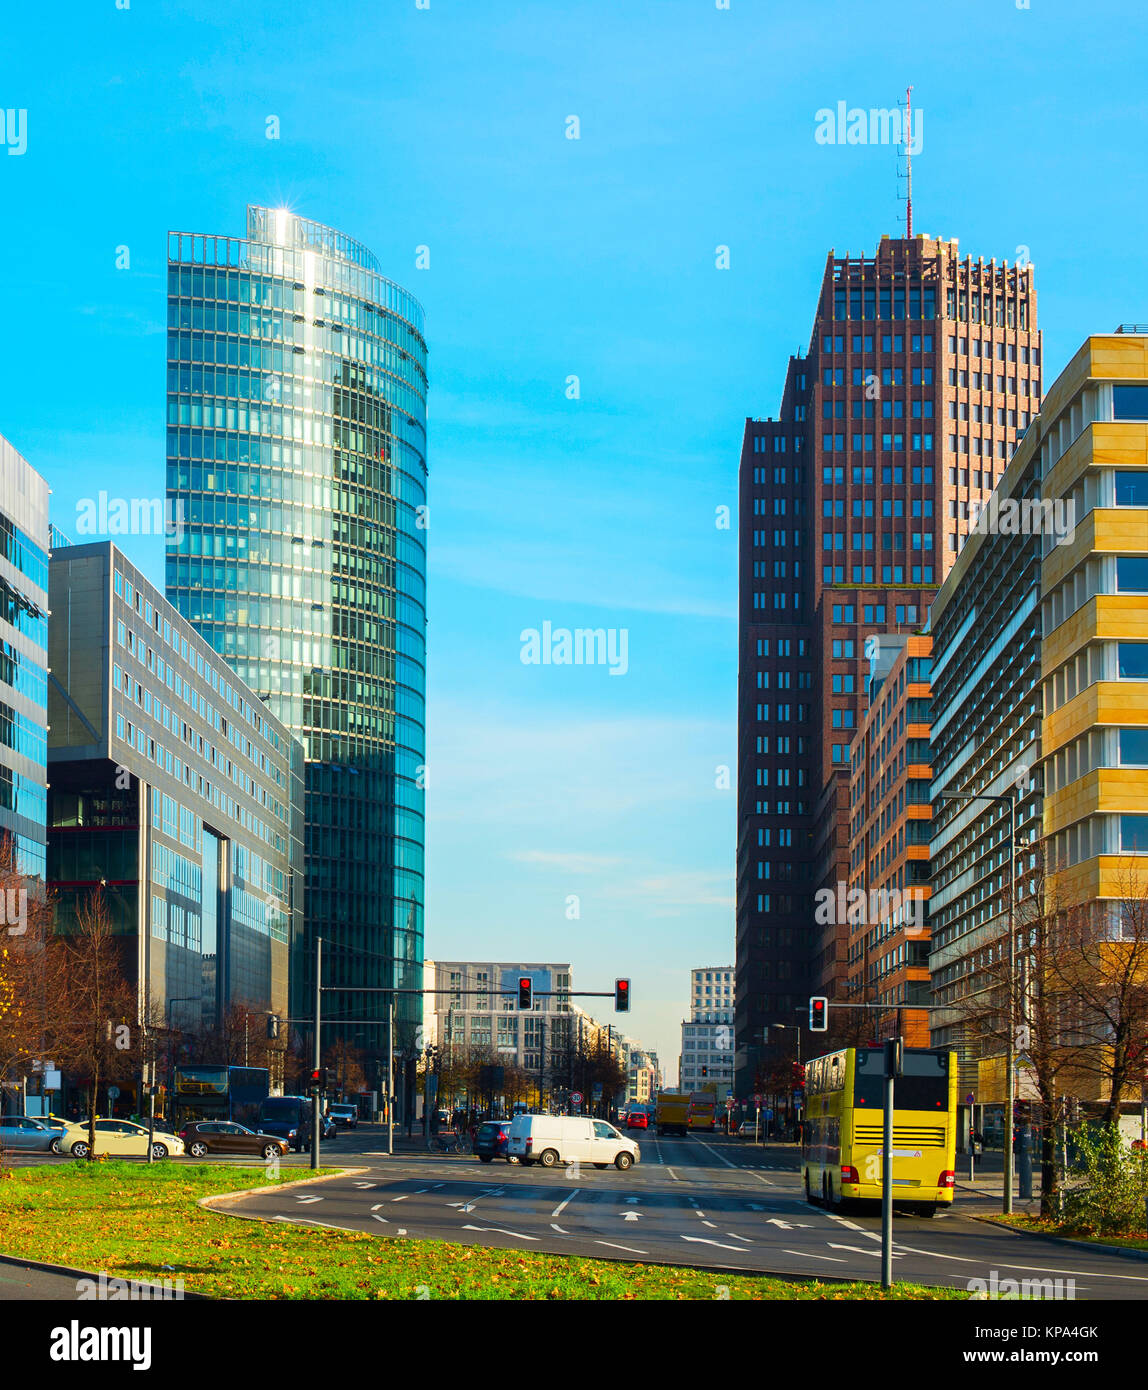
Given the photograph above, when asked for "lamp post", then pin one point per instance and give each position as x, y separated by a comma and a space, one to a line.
1009, 799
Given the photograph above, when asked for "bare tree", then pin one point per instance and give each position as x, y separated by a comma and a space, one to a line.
93, 1023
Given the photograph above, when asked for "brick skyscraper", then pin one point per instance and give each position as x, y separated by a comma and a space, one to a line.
923, 370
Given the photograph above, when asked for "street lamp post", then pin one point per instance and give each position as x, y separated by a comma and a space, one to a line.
1009, 798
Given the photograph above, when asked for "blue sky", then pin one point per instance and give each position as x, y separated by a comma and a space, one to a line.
551, 258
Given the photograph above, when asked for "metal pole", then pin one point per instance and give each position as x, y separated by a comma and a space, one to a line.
151, 1103
1010, 1049
318, 1024
892, 1049
391, 1076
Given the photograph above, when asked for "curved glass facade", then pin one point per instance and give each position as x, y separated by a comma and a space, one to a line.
296, 474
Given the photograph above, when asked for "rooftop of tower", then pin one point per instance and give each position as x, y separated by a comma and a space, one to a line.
282, 227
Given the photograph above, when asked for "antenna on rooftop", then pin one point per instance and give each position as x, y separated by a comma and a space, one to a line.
907, 141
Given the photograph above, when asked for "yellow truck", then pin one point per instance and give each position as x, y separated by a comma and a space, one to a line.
672, 1113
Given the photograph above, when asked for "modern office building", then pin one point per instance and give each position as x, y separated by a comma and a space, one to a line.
1041, 696
707, 1036
712, 994
886, 905
922, 370
474, 1007
296, 448
984, 744
1094, 599
174, 789
24, 549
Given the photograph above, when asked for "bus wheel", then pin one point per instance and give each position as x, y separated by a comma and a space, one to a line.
827, 1194
809, 1197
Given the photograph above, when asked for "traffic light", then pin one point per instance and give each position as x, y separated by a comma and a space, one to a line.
525, 989
621, 996
705, 1071
272, 1027
798, 1076
319, 1079
818, 1014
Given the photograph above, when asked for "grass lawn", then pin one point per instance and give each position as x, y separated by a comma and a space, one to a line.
1050, 1227
141, 1222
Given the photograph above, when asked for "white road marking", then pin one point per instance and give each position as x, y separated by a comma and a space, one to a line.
633, 1216
554, 1226
364, 1184
516, 1234
401, 1231
710, 1224
703, 1240
304, 1221
565, 1202
734, 1236
421, 1190
672, 1174
860, 1250
383, 1219
301, 1198
633, 1199
403, 1198
808, 1255
630, 1248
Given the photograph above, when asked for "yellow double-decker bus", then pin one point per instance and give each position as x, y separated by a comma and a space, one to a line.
842, 1131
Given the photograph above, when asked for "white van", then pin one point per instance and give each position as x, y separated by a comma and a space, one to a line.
553, 1139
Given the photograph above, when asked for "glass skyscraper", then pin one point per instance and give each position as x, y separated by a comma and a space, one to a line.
296, 475
24, 540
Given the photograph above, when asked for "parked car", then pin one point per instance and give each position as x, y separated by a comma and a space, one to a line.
120, 1139
28, 1134
344, 1115
226, 1137
553, 1139
637, 1119
492, 1140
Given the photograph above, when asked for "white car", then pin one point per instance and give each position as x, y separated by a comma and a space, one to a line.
119, 1139
553, 1139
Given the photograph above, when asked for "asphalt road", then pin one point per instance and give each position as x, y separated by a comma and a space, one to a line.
713, 1202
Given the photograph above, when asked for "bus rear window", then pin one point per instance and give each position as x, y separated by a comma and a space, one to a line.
924, 1084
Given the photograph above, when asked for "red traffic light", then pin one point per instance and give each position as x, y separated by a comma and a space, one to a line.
818, 1014
525, 991
621, 996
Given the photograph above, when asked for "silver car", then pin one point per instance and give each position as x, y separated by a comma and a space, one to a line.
28, 1134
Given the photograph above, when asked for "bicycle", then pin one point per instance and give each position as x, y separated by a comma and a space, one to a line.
449, 1143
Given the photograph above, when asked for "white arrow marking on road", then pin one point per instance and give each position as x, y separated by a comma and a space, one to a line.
500, 1231
633, 1199
781, 1225
630, 1216
808, 1255
364, 1184
630, 1248
702, 1240
308, 1199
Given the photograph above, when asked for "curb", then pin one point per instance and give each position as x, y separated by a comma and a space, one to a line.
207, 1202
1061, 1240
21, 1261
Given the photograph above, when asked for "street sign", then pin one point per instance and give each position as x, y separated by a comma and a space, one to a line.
970, 1099
757, 1101
729, 1103
113, 1093
597, 1090
575, 1097
52, 1080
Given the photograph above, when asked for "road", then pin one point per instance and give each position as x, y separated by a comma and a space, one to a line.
710, 1202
